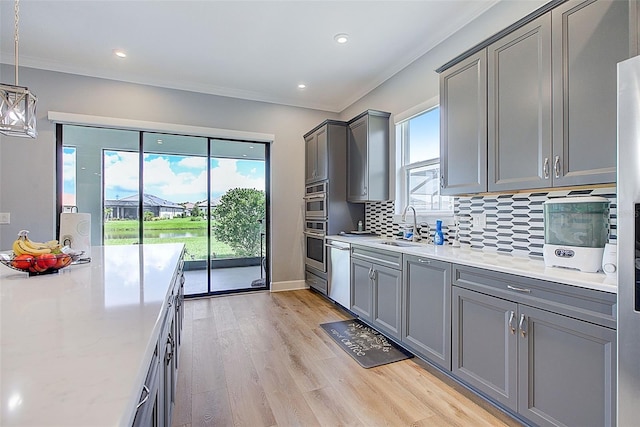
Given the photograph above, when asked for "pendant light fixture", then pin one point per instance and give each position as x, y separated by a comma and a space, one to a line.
17, 103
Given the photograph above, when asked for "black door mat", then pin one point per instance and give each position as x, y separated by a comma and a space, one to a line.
366, 345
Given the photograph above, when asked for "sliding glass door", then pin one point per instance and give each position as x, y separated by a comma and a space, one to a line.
144, 187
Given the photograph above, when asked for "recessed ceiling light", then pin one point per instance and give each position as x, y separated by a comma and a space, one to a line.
244, 155
302, 86
119, 53
341, 38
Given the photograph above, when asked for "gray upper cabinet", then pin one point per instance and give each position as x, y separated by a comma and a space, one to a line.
463, 126
325, 152
551, 100
368, 157
589, 39
426, 309
316, 156
519, 112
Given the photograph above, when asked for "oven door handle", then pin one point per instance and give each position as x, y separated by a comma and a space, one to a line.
315, 197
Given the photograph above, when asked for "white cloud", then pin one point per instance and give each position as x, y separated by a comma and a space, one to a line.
226, 177
193, 162
163, 181
69, 166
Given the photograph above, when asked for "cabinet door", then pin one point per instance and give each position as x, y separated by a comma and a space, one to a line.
322, 154
519, 112
567, 370
426, 327
357, 182
310, 155
387, 300
361, 288
463, 126
485, 344
589, 39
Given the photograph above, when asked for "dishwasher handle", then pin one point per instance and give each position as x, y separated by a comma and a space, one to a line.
340, 248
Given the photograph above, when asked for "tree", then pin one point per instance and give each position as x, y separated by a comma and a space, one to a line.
195, 211
236, 220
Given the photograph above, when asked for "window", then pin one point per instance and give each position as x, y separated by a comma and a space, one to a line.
419, 164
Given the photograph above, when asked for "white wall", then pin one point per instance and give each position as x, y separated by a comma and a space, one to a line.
27, 167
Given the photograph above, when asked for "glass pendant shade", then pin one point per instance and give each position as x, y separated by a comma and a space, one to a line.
17, 111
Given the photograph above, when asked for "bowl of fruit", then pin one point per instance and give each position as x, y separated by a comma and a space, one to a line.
38, 258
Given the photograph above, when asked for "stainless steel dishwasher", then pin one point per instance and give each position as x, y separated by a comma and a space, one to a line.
339, 272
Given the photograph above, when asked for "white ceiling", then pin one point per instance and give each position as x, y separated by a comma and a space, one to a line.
257, 50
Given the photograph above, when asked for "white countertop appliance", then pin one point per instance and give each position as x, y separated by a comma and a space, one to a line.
576, 230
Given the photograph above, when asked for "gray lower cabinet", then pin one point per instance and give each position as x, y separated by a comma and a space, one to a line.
484, 348
376, 290
553, 364
426, 309
566, 370
463, 126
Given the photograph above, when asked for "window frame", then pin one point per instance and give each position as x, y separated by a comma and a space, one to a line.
404, 168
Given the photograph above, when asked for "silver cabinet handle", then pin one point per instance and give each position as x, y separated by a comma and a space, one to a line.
522, 325
143, 401
512, 327
424, 261
515, 288
545, 168
556, 167
441, 181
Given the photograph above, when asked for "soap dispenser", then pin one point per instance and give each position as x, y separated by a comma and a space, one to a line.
438, 237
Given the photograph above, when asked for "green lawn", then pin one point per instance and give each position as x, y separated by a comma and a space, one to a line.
125, 233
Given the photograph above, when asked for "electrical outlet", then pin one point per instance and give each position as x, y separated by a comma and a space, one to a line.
478, 221
5, 218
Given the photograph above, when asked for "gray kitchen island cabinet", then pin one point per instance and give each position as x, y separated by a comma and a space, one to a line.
376, 289
426, 309
463, 126
553, 364
368, 157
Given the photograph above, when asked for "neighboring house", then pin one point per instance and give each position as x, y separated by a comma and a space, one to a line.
127, 207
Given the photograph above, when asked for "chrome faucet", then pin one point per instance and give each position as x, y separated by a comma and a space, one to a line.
416, 237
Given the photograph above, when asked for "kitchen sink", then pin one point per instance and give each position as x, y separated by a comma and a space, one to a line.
399, 244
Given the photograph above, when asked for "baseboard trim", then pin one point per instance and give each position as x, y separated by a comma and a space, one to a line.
290, 285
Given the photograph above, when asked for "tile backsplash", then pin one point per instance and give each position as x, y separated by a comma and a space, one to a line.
515, 222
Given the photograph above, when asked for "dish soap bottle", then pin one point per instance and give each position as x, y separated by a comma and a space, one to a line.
438, 237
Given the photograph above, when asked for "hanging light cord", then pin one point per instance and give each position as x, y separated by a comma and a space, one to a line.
15, 32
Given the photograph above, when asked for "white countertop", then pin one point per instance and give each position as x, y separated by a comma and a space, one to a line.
76, 345
521, 266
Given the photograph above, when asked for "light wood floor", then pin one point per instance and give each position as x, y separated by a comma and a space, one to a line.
261, 359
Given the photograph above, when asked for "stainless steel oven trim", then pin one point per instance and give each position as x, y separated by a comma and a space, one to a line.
321, 266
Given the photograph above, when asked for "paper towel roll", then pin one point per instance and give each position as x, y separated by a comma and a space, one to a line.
75, 232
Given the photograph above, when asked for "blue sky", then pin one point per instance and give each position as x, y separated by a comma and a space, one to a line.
175, 178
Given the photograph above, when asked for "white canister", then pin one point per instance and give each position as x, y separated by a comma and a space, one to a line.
75, 232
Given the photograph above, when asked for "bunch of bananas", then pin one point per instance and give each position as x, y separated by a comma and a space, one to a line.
25, 246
